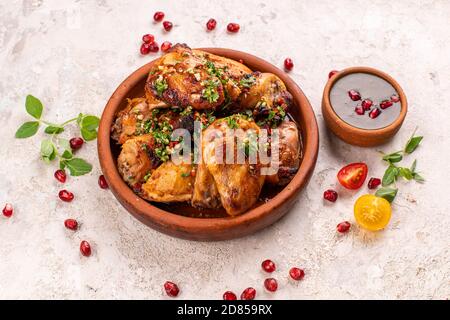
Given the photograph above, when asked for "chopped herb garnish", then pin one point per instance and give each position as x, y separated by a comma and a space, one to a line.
185, 174
160, 85
247, 81
210, 91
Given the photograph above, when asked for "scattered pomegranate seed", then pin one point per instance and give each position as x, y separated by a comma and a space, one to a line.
359, 110
366, 104
71, 224
297, 273
374, 113
288, 64
171, 288
76, 143
60, 175
248, 294
395, 98
153, 47
102, 182
66, 196
148, 38
158, 16
145, 48
166, 45
374, 183
8, 210
343, 227
354, 95
330, 195
211, 24
85, 248
268, 266
332, 73
167, 25
228, 295
385, 104
193, 173
233, 27
271, 284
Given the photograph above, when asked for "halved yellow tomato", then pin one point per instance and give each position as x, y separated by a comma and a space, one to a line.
372, 212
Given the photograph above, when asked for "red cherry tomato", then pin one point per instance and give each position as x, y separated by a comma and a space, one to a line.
353, 175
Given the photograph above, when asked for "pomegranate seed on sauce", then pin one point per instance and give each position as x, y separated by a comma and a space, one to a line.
85, 248
60, 175
332, 73
271, 284
148, 38
171, 289
366, 104
66, 196
288, 64
76, 143
71, 224
268, 266
228, 295
102, 182
166, 45
373, 183
8, 210
395, 98
330, 195
167, 25
374, 113
385, 104
153, 47
211, 24
343, 227
297, 273
354, 95
233, 27
359, 110
248, 294
158, 16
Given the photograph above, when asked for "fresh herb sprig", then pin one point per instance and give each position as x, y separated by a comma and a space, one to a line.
56, 147
393, 172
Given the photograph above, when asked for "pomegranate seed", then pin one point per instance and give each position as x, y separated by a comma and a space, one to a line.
288, 64
366, 104
233, 27
374, 113
60, 175
343, 227
374, 183
171, 288
385, 104
102, 182
167, 25
66, 196
359, 110
148, 38
241, 61
228, 295
145, 48
297, 273
271, 284
8, 210
211, 24
158, 16
76, 143
395, 98
332, 73
71, 224
354, 95
85, 248
248, 294
330, 195
268, 266
166, 45
153, 47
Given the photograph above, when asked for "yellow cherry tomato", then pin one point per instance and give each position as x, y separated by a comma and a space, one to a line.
372, 212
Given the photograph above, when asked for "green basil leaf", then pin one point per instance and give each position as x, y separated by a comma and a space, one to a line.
27, 129
405, 173
393, 157
67, 154
34, 106
387, 193
67, 150
417, 177
412, 144
77, 166
413, 166
48, 150
88, 135
53, 130
389, 176
90, 123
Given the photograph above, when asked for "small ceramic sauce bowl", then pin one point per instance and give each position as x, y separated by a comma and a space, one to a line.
381, 117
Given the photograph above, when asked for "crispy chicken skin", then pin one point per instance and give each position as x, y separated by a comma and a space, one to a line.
205, 194
125, 125
169, 183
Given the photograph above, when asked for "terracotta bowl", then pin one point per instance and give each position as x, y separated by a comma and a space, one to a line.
208, 228
358, 136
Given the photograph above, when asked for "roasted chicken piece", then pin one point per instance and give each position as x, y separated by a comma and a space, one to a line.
205, 194
127, 120
169, 183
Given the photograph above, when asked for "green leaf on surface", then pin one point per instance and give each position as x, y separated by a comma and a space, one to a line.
34, 106
393, 157
27, 129
53, 130
405, 173
417, 177
387, 193
78, 166
48, 150
412, 144
413, 166
90, 123
88, 135
79, 119
390, 175
64, 144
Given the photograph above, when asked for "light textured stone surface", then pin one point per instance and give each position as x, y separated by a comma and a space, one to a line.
73, 54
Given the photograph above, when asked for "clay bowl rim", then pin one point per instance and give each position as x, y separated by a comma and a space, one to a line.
371, 133
178, 225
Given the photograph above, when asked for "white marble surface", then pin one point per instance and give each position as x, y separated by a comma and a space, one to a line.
73, 54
